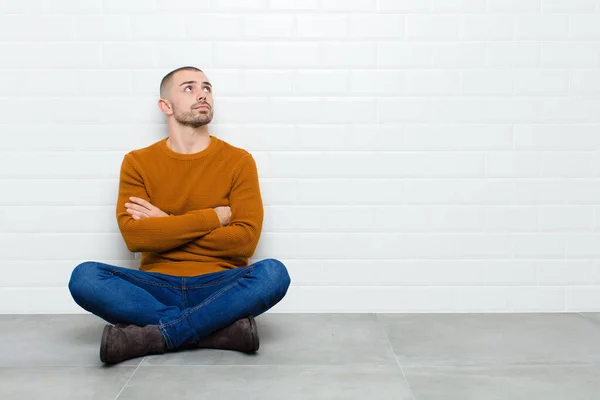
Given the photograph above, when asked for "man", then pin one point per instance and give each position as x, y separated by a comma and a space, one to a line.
191, 204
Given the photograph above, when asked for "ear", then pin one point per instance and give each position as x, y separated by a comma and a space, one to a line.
165, 106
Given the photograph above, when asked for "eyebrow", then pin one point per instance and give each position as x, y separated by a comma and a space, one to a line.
186, 82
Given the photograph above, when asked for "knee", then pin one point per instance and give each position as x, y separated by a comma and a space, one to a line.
81, 277
277, 274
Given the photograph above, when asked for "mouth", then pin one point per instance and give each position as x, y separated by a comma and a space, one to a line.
200, 107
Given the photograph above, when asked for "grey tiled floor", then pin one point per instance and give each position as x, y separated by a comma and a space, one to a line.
319, 356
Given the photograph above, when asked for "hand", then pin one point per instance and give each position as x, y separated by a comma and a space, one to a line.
224, 213
141, 208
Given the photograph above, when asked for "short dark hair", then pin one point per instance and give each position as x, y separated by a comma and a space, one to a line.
164, 83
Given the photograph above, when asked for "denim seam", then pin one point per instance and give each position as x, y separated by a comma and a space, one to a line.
217, 282
206, 302
169, 340
164, 326
201, 305
183, 295
145, 281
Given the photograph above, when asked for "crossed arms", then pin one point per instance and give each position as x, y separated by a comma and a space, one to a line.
197, 231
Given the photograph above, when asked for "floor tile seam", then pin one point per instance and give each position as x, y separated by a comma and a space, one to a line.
125, 385
506, 365
349, 365
90, 366
387, 339
592, 320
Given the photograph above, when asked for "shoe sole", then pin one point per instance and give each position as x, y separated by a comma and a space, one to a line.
104, 343
255, 341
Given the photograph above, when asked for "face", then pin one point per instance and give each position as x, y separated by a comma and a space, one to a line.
191, 99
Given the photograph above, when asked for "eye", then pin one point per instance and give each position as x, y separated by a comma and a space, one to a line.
207, 88
187, 87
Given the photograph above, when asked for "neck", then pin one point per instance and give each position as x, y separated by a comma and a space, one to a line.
188, 140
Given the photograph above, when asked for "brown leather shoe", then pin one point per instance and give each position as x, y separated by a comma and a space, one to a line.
242, 336
122, 343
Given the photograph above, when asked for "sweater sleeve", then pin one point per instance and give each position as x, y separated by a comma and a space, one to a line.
156, 234
237, 240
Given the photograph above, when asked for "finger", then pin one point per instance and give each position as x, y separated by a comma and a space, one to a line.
138, 208
143, 202
137, 214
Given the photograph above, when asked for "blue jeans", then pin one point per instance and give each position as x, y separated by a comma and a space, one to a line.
184, 308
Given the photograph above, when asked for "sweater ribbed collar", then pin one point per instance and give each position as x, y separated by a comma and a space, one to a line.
214, 143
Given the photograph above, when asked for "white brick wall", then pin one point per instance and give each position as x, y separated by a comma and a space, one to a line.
414, 155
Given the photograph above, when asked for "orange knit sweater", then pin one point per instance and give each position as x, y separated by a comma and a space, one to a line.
191, 241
